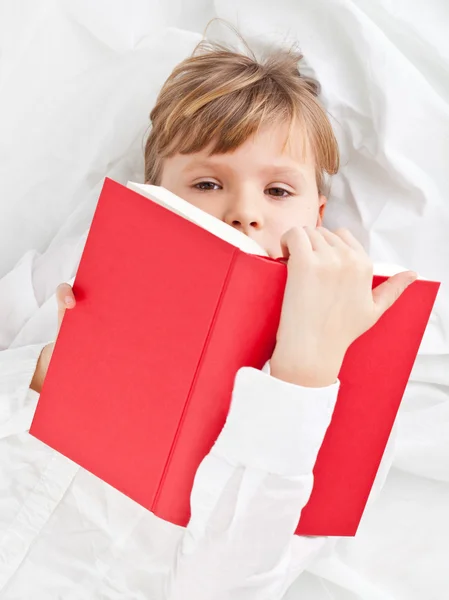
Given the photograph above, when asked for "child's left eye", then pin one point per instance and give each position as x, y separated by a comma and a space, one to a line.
208, 186
278, 192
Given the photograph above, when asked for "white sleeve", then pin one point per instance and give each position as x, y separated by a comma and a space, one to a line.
28, 321
28, 287
17, 401
18, 300
18, 303
249, 491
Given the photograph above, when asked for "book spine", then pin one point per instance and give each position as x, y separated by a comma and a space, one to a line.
242, 333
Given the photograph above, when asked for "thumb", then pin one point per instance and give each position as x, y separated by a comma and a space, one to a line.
65, 299
386, 294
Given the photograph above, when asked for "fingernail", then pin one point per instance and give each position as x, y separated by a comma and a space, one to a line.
412, 277
68, 300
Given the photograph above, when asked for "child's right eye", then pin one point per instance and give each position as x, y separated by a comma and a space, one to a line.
206, 186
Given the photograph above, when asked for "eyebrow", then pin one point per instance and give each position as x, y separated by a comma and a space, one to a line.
275, 169
278, 170
196, 164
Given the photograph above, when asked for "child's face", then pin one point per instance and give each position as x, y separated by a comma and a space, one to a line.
257, 188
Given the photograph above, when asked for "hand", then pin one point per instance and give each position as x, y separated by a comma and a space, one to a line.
65, 299
328, 303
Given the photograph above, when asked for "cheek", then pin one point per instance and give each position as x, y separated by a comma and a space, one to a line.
168, 178
300, 214
174, 185
170, 173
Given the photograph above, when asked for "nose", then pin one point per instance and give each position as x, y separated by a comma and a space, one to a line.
244, 213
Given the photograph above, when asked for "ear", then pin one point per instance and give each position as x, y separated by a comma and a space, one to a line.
322, 200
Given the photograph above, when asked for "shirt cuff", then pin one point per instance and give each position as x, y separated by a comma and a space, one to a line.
18, 366
17, 400
275, 425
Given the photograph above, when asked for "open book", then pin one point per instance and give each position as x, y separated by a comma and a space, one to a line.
163, 287
201, 218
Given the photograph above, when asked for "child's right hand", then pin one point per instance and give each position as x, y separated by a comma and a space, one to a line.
65, 299
328, 303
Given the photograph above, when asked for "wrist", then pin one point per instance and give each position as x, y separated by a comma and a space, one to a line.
310, 372
41, 369
304, 378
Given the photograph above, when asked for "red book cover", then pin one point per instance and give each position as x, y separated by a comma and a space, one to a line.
141, 377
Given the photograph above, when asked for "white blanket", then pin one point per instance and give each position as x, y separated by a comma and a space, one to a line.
77, 83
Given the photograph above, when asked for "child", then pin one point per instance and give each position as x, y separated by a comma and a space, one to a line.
250, 144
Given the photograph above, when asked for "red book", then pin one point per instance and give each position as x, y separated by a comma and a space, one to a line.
141, 377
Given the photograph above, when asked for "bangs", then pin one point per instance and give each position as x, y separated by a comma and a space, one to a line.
226, 122
222, 98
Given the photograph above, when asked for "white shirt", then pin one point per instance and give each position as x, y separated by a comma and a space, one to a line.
65, 534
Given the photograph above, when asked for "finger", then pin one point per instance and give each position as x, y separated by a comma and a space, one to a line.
386, 294
349, 239
65, 299
317, 239
295, 241
64, 293
331, 238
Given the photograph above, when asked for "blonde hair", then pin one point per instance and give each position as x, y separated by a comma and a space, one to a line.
222, 96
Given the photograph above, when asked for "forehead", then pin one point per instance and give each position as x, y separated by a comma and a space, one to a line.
276, 146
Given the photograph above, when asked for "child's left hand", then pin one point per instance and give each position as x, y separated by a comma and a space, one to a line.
328, 303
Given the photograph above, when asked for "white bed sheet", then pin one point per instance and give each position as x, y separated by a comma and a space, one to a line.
77, 82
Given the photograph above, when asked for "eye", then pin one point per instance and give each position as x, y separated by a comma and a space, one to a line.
278, 192
206, 186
